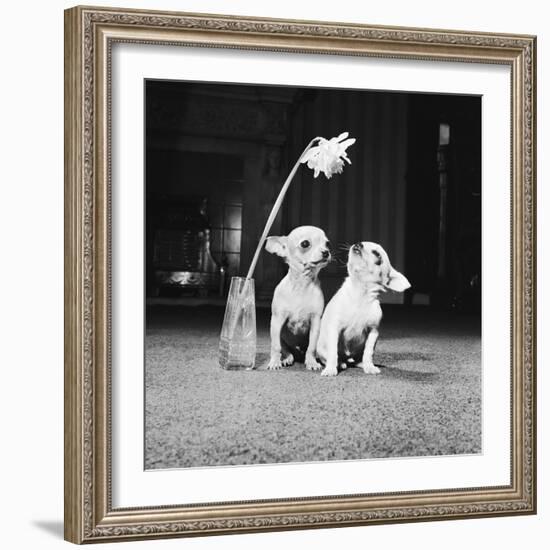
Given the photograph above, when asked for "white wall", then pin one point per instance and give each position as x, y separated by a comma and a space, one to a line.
31, 115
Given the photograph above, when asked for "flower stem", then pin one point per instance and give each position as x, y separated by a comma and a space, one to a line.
275, 210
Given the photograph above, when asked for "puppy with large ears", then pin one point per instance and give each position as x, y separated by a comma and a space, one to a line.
349, 327
298, 300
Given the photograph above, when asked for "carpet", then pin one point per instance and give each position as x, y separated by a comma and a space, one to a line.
426, 401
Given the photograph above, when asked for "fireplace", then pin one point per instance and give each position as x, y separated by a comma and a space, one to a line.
179, 236
219, 150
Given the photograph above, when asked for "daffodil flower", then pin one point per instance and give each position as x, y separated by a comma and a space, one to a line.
328, 156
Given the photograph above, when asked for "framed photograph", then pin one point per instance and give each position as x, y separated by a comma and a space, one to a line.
300, 274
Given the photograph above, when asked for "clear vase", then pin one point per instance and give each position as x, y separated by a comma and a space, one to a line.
238, 335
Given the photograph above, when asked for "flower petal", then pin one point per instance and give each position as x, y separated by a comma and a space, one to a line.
347, 143
310, 154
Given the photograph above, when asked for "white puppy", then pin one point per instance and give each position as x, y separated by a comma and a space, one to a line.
349, 327
298, 300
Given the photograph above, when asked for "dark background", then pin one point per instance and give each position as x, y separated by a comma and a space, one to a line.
217, 155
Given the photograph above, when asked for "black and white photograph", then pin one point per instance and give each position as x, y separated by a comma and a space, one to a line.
313, 274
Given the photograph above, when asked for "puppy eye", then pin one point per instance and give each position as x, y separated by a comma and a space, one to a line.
305, 244
378, 257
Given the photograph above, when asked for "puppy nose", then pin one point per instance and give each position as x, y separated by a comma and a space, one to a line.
326, 254
357, 247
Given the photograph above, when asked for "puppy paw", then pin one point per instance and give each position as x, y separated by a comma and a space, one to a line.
274, 364
329, 371
312, 364
288, 360
370, 369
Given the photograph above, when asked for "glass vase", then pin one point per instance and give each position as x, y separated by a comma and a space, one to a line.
238, 335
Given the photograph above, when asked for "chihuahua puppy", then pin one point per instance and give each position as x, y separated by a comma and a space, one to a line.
349, 326
298, 300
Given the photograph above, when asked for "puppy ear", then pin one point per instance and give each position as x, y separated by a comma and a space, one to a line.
277, 245
397, 281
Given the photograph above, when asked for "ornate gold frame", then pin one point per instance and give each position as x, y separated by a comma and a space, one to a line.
89, 34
